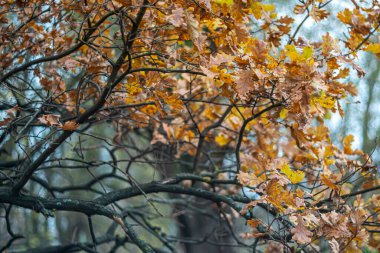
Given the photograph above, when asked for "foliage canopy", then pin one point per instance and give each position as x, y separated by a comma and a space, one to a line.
225, 100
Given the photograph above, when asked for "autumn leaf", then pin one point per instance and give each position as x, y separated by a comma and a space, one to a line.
345, 16
50, 119
360, 71
222, 140
245, 82
177, 17
123, 2
206, 3
253, 223
195, 31
374, 48
334, 245
300, 232
299, 9
257, 49
149, 110
70, 125
283, 113
324, 101
326, 181
295, 176
351, 89
295, 56
208, 73
221, 99
329, 45
226, 2
347, 143
248, 179
318, 14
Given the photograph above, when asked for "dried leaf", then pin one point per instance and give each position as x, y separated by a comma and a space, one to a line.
334, 245
300, 233
70, 125
50, 119
177, 17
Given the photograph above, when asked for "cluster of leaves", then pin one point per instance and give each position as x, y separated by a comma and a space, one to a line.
228, 76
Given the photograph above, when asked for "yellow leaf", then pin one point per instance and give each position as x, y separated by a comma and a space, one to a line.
225, 77
133, 89
324, 101
327, 115
274, 191
332, 64
264, 119
210, 114
295, 176
226, 2
256, 9
307, 52
292, 53
268, 7
373, 48
222, 140
188, 135
329, 151
283, 113
84, 49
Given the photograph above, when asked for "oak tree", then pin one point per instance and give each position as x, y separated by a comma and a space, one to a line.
164, 117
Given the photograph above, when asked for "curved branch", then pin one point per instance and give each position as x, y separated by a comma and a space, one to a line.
57, 56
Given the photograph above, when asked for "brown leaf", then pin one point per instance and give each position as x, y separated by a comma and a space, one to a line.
50, 119
245, 82
318, 14
358, 69
299, 9
334, 246
208, 73
300, 233
176, 18
206, 3
195, 31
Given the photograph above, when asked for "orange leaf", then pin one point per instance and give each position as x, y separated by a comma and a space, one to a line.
70, 125
253, 223
326, 181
